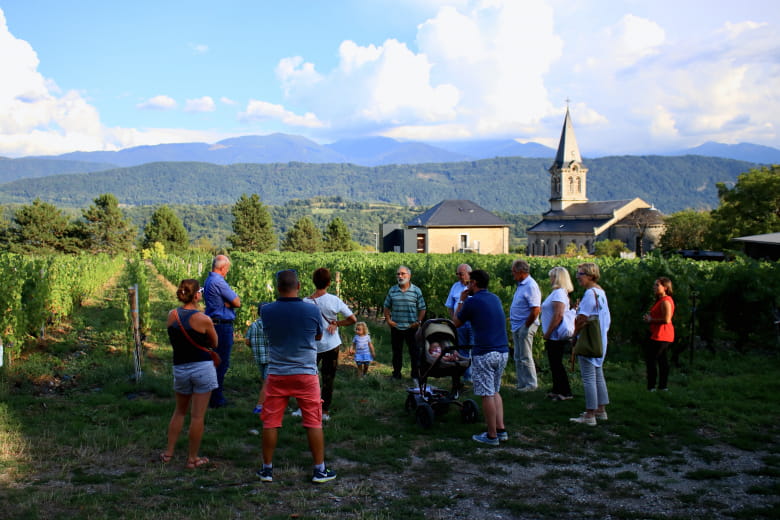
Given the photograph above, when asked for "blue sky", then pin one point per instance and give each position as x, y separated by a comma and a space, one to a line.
640, 76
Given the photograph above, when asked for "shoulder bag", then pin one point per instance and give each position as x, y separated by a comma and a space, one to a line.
214, 356
589, 342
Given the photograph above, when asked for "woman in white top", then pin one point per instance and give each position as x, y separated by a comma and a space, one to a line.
594, 302
558, 327
330, 307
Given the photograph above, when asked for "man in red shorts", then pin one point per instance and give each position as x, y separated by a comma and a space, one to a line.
292, 327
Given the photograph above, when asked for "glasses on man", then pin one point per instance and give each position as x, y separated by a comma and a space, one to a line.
401, 273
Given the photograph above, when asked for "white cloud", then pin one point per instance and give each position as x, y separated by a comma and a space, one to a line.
261, 111
204, 104
160, 102
227, 101
469, 75
198, 48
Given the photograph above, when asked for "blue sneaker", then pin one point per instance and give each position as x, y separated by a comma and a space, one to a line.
265, 474
484, 439
502, 436
323, 476
258, 409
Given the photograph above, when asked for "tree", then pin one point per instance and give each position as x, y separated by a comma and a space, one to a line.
166, 228
106, 229
303, 237
609, 248
751, 207
686, 229
337, 236
573, 250
252, 225
41, 228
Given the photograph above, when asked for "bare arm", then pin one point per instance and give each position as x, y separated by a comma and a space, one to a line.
390, 322
534, 314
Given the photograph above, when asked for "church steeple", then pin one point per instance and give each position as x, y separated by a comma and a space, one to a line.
568, 176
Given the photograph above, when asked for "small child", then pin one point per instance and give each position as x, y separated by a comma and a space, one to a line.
258, 344
362, 348
434, 349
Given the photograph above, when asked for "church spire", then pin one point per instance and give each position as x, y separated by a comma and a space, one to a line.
568, 151
567, 174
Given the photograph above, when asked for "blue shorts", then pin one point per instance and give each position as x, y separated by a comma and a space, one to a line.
486, 372
199, 377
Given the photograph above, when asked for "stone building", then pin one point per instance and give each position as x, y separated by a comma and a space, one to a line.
448, 227
572, 219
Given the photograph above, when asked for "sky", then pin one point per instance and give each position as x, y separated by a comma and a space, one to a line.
638, 76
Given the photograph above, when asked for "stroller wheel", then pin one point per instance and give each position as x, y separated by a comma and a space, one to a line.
469, 413
424, 416
410, 404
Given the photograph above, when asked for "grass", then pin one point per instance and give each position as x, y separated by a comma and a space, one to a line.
79, 438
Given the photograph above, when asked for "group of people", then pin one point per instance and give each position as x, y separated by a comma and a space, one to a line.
295, 340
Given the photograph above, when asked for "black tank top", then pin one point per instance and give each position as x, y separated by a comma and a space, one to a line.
183, 350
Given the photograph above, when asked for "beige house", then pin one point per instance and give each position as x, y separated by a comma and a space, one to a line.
572, 219
448, 227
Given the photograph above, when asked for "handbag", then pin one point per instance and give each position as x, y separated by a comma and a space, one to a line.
214, 356
589, 342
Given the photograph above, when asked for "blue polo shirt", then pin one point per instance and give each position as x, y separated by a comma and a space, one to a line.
291, 325
216, 292
488, 322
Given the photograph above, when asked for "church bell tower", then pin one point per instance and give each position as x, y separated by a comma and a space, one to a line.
568, 175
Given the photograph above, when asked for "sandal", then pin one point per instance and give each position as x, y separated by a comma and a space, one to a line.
165, 458
197, 462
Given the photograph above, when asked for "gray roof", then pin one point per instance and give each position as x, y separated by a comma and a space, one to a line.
588, 209
568, 151
568, 226
768, 238
456, 213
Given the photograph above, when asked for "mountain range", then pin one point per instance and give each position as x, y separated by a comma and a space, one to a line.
371, 151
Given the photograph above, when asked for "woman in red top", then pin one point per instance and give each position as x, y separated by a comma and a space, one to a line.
661, 334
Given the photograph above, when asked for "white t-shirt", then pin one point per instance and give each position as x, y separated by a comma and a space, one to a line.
548, 311
330, 307
588, 307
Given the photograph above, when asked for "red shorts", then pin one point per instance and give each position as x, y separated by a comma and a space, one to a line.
305, 388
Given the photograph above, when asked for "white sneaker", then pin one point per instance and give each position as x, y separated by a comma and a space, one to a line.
584, 419
325, 417
296, 413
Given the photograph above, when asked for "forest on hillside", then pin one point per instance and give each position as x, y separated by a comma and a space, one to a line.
510, 185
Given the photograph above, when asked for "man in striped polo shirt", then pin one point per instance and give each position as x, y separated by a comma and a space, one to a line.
404, 310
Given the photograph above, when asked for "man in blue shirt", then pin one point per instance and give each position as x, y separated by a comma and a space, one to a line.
221, 302
293, 328
524, 320
489, 354
464, 333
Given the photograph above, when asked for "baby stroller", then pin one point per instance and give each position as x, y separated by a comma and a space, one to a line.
437, 345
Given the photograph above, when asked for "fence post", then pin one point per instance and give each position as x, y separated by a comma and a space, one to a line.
132, 294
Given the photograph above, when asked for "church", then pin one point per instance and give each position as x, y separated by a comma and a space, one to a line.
572, 219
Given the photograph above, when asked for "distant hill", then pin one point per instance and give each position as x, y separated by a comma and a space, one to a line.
742, 152
376, 151
488, 149
513, 185
28, 167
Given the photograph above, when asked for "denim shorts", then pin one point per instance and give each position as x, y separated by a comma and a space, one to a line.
486, 372
199, 377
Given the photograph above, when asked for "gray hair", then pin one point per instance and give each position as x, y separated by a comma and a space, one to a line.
521, 266
219, 261
407, 269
